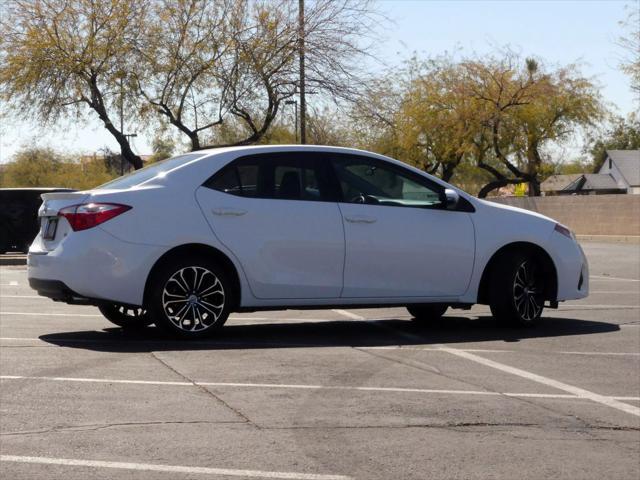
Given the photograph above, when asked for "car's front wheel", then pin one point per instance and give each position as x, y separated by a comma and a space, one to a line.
518, 290
125, 316
190, 297
427, 312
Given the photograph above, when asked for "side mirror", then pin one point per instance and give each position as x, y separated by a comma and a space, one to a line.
451, 199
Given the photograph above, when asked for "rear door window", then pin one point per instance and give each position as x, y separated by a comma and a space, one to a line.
285, 176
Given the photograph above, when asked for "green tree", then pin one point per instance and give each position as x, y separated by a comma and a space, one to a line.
630, 43
163, 147
44, 167
622, 134
66, 58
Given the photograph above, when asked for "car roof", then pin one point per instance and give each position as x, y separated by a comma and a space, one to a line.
283, 148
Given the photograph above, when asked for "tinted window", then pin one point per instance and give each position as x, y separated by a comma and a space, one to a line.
290, 176
364, 180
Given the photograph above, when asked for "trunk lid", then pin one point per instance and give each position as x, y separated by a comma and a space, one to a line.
54, 228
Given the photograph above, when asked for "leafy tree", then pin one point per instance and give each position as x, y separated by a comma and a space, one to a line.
163, 147
64, 58
44, 167
501, 114
437, 118
523, 109
622, 134
630, 42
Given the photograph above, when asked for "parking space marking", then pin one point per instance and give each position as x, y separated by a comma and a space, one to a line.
572, 306
348, 314
606, 277
24, 296
10, 284
40, 314
150, 467
387, 347
577, 391
501, 350
303, 387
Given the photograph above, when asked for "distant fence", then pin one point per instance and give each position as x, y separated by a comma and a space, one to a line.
586, 214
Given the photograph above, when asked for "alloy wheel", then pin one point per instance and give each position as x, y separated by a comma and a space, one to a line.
193, 299
528, 295
130, 311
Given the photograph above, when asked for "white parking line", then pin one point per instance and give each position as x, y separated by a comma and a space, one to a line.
347, 314
501, 350
24, 296
10, 284
606, 277
150, 467
40, 314
578, 392
386, 347
300, 387
588, 306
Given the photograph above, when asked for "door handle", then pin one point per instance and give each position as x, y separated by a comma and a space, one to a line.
360, 219
229, 212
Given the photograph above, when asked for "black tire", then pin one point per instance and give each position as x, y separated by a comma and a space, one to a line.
190, 297
517, 290
427, 312
129, 318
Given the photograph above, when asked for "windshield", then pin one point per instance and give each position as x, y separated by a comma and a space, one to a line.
147, 173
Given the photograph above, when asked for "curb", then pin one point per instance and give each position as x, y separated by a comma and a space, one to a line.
13, 260
635, 239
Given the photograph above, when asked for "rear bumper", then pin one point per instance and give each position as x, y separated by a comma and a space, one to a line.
57, 291
91, 266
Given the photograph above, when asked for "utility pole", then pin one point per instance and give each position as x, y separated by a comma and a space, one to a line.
303, 102
121, 122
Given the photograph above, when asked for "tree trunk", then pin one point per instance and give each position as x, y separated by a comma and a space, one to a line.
503, 182
97, 103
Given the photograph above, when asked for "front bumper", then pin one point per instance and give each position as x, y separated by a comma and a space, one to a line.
572, 268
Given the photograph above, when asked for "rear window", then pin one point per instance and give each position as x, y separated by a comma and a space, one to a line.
154, 170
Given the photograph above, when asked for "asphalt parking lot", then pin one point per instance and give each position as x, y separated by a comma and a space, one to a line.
322, 395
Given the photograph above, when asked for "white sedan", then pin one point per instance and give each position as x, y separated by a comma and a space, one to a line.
184, 242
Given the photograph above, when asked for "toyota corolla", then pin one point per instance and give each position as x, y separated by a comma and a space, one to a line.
185, 242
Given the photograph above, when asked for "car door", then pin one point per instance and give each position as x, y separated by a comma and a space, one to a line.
274, 212
400, 240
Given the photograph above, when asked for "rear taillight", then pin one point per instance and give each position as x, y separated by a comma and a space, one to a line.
88, 215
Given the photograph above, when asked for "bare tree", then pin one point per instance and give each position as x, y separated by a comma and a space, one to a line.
206, 64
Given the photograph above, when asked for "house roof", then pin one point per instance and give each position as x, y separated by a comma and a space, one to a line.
559, 182
579, 181
599, 181
628, 162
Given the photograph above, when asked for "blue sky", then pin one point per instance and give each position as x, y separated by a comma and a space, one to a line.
558, 31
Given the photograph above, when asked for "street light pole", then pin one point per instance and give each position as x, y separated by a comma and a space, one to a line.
295, 118
303, 102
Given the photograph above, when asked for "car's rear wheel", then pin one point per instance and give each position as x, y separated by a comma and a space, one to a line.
427, 312
125, 316
190, 297
518, 290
